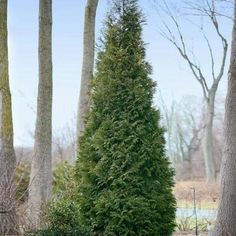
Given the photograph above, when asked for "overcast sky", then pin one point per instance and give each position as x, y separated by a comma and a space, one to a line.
169, 70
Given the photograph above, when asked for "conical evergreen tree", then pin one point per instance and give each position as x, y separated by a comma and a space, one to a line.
125, 182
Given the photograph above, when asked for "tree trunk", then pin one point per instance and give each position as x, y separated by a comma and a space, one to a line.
41, 167
208, 148
227, 209
87, 67
8, 217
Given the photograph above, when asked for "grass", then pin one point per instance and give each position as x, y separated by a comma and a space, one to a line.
188, 224
200, 205
207, 195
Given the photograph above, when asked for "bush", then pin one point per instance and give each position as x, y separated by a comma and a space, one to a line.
63, 212
62, 220
62, 215
63, 179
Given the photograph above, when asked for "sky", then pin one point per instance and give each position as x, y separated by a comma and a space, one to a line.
173, 76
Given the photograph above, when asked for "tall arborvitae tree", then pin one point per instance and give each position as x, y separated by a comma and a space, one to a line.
125, 182
41, 167
8, 218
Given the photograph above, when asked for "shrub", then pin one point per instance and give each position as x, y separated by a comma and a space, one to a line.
62, 215
62, 220
63, 179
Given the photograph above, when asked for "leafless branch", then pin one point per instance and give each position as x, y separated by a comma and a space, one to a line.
177, 39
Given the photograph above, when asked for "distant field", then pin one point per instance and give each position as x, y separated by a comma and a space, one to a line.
207, 195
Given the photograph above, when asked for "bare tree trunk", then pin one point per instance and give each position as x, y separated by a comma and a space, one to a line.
8, 217
208, 147
227, 209
209, 91
41, 167
87, 67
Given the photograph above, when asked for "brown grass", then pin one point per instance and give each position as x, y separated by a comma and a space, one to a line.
188, 234
205, 192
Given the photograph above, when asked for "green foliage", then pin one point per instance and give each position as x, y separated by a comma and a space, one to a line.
22, 178
62, 215
125, 181
63, 211
63, 179
62, 219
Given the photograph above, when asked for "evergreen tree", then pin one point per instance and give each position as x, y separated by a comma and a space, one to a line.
125, 181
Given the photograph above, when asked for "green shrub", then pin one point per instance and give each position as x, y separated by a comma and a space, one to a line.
63, 179
62, 220
62, 215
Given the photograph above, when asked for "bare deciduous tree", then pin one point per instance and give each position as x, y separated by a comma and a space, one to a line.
8, 217
184, 129
88, 64
209, 89
41, 167
227, 209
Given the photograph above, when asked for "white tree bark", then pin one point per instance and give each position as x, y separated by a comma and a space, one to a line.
208, 147
227, 209
8, 217
87, 67
41, 167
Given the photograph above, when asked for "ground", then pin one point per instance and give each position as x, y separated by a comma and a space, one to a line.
206, 196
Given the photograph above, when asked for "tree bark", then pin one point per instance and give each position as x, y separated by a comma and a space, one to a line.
41, 167
226, 216
208, 149
8, 217
87, 67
